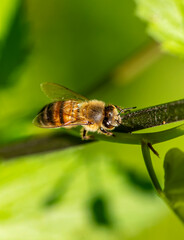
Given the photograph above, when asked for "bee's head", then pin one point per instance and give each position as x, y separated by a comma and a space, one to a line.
112, 117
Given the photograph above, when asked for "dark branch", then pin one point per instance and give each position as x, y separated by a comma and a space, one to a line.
40, 145
152, 116
140, 119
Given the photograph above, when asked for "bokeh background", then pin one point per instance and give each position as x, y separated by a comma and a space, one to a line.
98, 190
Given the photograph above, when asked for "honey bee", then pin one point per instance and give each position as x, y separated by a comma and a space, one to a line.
70, 109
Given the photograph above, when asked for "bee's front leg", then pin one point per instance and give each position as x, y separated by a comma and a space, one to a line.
84, 135
103, 131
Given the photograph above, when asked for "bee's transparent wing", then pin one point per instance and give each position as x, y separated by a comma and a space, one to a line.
57, 92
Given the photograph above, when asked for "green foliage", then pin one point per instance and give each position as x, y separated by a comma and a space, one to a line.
174, 179
56, 186
99, 211
165, 23
14, 48
173, 192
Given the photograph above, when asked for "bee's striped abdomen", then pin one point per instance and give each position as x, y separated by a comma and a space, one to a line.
48, 117
57, 114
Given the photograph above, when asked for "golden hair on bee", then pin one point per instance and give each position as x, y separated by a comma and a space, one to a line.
70, 109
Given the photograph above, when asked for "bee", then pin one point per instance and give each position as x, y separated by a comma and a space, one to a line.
70, 109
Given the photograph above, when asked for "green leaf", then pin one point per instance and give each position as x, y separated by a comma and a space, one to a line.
14, 48
174, 180
99, 211
165, 20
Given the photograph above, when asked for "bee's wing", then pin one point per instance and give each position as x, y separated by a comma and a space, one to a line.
57, 92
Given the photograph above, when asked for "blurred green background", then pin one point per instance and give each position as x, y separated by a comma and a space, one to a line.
98, 190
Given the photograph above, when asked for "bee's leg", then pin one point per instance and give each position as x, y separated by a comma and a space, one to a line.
103, 131
84, 135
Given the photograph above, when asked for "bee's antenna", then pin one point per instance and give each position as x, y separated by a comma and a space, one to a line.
124, 109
